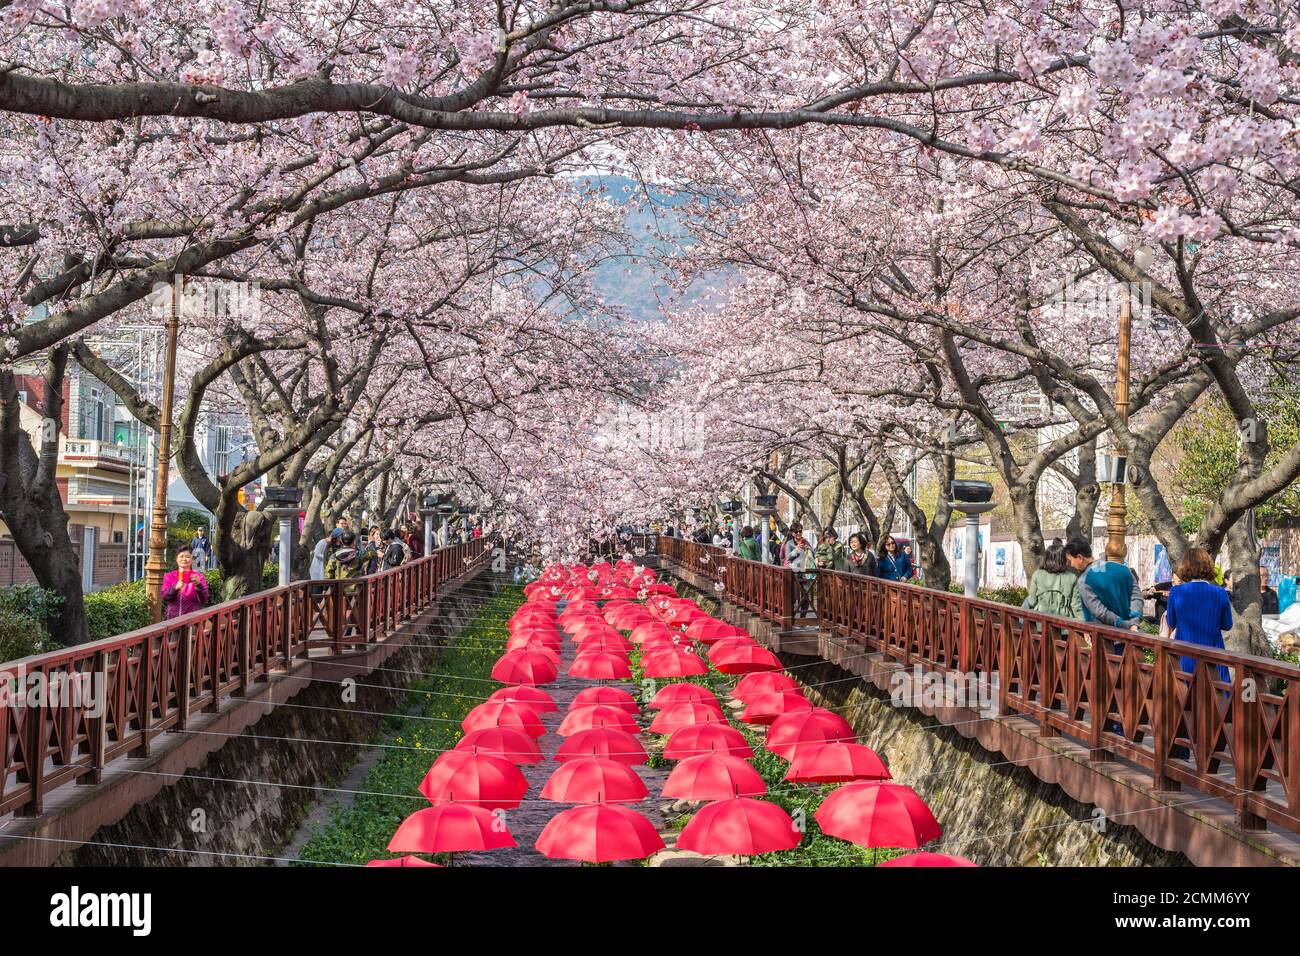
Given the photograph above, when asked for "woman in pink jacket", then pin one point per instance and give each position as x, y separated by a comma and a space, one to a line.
184, 589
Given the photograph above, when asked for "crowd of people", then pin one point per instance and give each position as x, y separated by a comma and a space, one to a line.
1070, 583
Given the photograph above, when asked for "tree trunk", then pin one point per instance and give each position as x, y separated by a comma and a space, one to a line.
33, 509
241, 540
1247, 635
1029, 529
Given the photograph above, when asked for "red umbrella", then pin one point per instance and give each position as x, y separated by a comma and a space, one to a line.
673, 718
594, 780
597, 715
611, 696
704, 739
515, 746
603, 742
789, 732
402, 861
878, 814
659, 644
600, 665
524, 667
462, 776
836, 763
764, 682
536, 698
745, 660
599, 833
765, 708
504, 713
642, 631
729, 644
451, 828
739, 826
713, 777
680, 694
527, 642
673, 664
617, 644
928, 859
709, 630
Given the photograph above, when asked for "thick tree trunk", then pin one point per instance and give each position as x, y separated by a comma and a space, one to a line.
1247, 634
241, 540
1028, 527
32, 507
40, 531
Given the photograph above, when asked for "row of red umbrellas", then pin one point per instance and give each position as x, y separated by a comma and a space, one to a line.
480, 779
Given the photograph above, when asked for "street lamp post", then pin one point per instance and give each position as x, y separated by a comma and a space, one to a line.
284, 502
732, 508
427, 512
972, 498
156, 566
765, 507
1117, 516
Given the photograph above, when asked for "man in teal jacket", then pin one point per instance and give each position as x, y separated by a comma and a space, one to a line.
1108, 590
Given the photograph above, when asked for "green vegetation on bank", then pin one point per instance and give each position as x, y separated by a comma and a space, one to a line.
390, 792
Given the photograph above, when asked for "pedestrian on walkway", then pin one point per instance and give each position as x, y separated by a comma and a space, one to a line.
751, 548
862, 560
894, 564
794, 547
1054, 588
394, 551
829, 554
183, 589
201, 548
346, 560
1199, 610
1108, 592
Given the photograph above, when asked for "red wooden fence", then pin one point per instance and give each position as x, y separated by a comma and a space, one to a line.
1120, 692
153, 679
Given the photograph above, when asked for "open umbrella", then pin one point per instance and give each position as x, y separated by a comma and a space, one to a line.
928, 859
597, 715
504, 713
709, 630
878, 814
764, 682
679, 694
789, 732
673, 718
673, 664
611, 696
402, 861
593, 780
524, 667
600, 665
835, 763
536, 698
745, 660
599, 833
705, 739
740, 826
765, 708
713, 777
513, 745
603, 742
462, 776
642, 631
451, 828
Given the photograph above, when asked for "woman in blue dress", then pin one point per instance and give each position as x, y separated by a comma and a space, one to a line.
1199, 610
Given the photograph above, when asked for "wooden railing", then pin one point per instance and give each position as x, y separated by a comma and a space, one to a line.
118, 694
1121, 693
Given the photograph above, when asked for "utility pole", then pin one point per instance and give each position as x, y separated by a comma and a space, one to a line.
156, 566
